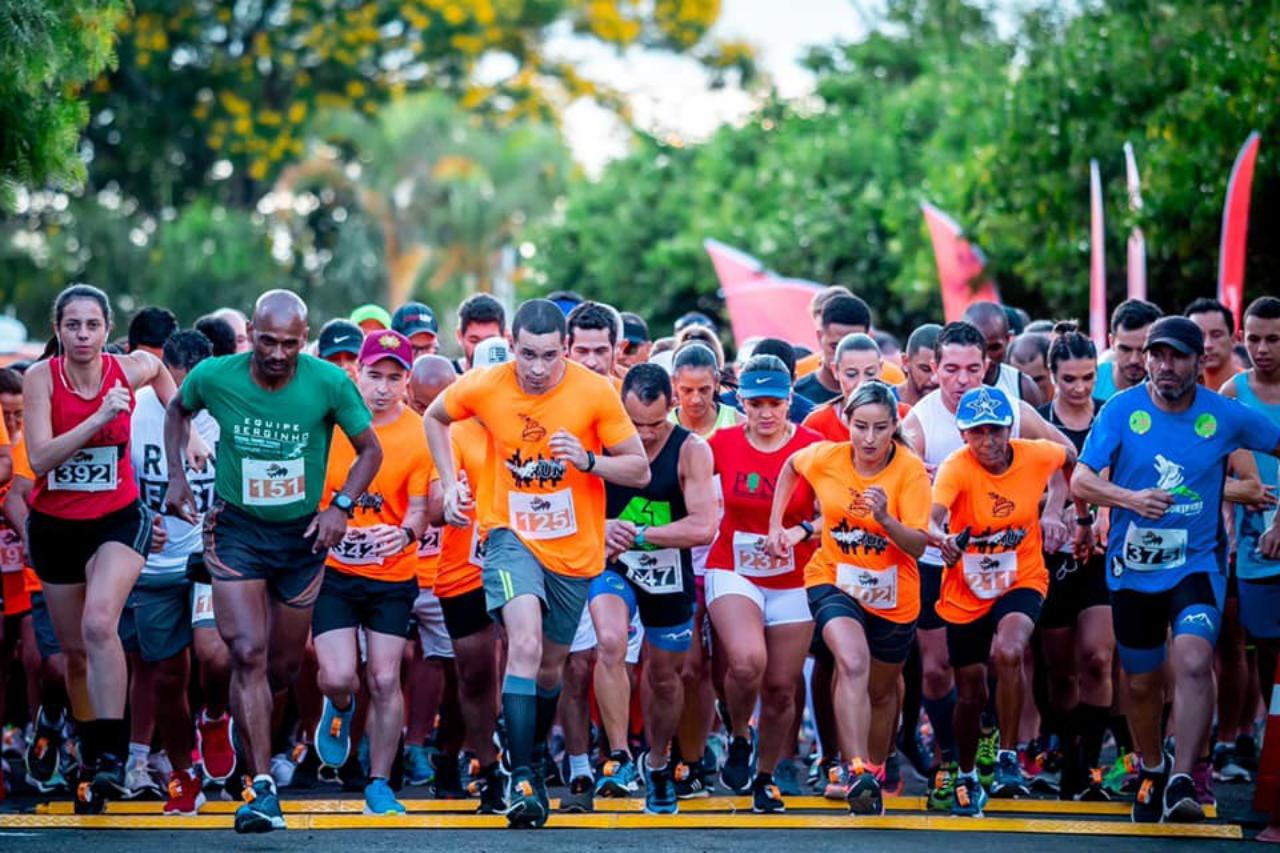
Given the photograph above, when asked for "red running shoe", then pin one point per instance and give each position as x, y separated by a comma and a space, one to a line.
215, 741
185, 796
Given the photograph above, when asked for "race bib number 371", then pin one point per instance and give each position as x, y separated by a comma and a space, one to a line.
90, 469
273, 483
542, 516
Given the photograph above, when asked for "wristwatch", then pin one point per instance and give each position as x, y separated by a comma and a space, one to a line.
640, 531
413, 537
343, 503
1084, 520
808, 530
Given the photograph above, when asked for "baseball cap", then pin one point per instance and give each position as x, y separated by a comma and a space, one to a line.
764, 383
694, 318
984, 406
491, 351
386, 344
371, 312
413, 318
1178, 332
634, 329
339, 336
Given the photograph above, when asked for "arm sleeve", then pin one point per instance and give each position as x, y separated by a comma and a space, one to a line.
1104, 439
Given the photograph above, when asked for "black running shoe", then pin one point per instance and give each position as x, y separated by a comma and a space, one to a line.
1148, 804
765, 796
1181, 804
737, 770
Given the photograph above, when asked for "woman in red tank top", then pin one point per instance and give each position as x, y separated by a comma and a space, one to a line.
87, 532
757, 600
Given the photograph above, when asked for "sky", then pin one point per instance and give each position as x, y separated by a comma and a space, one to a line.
671, 96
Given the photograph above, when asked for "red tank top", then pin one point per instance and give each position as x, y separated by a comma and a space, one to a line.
747, 478
98, 478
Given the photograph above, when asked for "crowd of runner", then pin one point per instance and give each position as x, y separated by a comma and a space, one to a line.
580, 556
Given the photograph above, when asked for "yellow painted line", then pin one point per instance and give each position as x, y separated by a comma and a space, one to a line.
639, 821
1056, 808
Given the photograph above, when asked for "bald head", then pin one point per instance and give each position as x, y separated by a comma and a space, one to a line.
279, 306
238, 323
990, 319
431, 374
278, 333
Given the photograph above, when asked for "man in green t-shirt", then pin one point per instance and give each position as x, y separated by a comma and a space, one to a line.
264, 541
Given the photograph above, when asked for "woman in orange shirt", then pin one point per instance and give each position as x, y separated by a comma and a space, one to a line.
989, 493
862, 584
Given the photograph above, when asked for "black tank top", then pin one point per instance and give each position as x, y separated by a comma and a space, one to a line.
1077, 436
662, 501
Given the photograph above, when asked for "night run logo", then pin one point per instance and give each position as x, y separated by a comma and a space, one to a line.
1140, 422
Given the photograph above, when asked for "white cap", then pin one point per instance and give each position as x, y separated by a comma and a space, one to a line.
490, 352
665, 360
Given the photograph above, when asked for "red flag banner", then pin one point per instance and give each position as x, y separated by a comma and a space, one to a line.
761, 303
1235, 228
1137, 269
961, 266
1097, 261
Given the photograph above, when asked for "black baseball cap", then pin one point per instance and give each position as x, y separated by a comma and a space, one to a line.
1178, 332
412, 318
340, 336
634, 328
694, 318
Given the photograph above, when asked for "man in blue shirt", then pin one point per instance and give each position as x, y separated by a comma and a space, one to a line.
1165, 445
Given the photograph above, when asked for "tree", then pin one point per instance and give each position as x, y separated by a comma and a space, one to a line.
49, 49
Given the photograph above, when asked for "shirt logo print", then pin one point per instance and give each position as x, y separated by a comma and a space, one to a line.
539, 470
1001, 507
533, 431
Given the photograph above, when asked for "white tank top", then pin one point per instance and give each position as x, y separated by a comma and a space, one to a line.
942, 438
1010, 382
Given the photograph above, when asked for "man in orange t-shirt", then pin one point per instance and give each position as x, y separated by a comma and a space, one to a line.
549, 423
370, 578
995, 583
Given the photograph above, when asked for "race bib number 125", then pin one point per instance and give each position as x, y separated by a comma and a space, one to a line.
542, 516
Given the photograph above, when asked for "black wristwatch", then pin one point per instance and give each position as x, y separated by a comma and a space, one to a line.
808, 530
1084, 520
591, 463
413, 537
343, 503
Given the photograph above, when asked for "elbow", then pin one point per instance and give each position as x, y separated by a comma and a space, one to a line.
707, 533
642, 476
1079, 485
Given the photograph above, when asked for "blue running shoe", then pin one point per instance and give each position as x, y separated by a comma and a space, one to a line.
525, 809
1009, 781
333, 734
787, 777
618, 777
418, 768
660, 792
380, 799
970, 798
261, 809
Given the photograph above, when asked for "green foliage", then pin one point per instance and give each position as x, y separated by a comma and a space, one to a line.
48, 50
934, 106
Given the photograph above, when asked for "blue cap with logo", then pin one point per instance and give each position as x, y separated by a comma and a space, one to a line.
984, 406
764, 383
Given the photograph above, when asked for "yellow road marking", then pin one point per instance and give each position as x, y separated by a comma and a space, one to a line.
609, 806
641, 821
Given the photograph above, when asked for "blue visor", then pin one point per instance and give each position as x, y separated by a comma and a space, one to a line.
984, 406
764, 383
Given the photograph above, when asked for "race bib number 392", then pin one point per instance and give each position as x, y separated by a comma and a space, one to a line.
273, 483
542, 516
90, 469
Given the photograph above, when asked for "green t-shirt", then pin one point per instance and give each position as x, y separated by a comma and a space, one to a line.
274, 445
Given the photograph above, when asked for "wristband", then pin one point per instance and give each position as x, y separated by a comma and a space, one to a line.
413, 537
640, 531
591, 463
1084, 520
808, 531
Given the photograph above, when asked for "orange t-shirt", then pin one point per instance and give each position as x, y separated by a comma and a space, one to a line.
855, 553
462, 548
827, 421
31, 581
406, 472
890, 372
1002, 513
555, 509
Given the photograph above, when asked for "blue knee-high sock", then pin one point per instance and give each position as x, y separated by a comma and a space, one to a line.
942, 717
520, 711
548, 699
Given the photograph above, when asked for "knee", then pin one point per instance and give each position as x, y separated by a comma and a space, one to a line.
248, 654
524, 652
745, 669
1008, 653
937, 678
778, 696
577, 670
1194, 660
611, 647
384, 682
1095, 663
97, 627
855, 667
664, 682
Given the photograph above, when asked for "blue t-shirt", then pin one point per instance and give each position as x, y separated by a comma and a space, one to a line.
1185, 454
1104, 388
1250, 525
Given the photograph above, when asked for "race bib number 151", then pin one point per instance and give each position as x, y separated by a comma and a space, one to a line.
273, 483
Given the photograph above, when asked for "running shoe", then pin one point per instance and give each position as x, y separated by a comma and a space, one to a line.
1225, 766
333, 734
787, 777
525, 810
739, 767
1093, 791
970, 798
1247, 752
580, 798
688, 783
910, 749
185, 794
14, 742
618, 777
261, 809
87, 801
820, 773
379, 799
893, 783
43, 754
109, 781
285, 765
660, 792
1148, 803
215, 741
708, 769
988, 751
1181, 800
865, 796
1008, 781
418, 768
138, 782
942, 790
1202, 776
1121, 779
446, 782
492, 783
765, 796
837, 783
